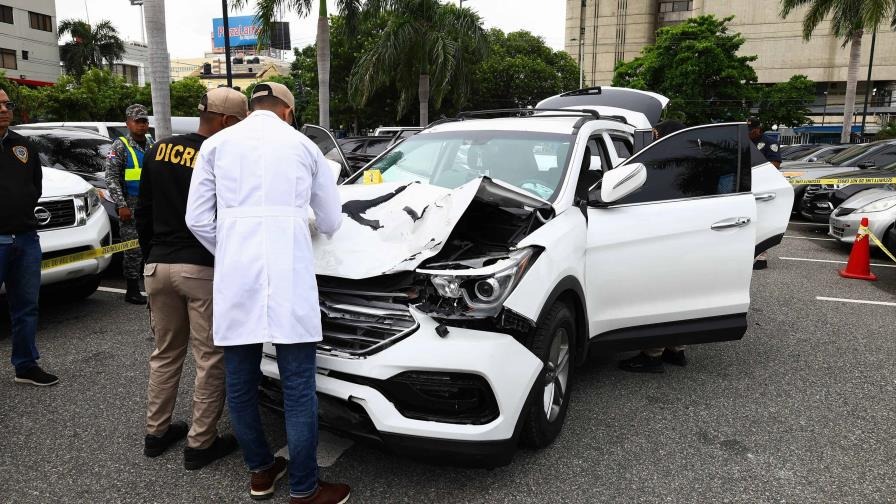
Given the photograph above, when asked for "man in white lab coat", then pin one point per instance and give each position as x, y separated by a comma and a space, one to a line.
249, 205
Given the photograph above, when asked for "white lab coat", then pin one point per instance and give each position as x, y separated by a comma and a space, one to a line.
249, 197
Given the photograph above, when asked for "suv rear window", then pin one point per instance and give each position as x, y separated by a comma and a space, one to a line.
70, 150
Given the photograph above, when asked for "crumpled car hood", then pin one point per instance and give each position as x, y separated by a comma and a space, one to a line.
394, 227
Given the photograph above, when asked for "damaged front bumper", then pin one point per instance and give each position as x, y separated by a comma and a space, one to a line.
457, 396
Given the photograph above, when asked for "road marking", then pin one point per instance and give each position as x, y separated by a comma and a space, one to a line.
329, 448
882, 303
114, 290
809, 238
834, 262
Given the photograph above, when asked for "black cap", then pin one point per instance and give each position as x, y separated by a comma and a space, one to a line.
753, 122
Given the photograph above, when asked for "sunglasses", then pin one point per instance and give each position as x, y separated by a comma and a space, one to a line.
9, 105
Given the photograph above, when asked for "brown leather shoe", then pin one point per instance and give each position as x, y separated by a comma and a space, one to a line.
262, 484
327, 493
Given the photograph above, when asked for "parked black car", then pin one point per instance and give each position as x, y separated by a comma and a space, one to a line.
820, 200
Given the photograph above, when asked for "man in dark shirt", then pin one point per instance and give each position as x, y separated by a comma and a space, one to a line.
20, 255
178, 277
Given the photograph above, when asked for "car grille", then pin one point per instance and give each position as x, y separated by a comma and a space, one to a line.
64, 252
811, 190
363, 323
62, 213
837, 231
843, 211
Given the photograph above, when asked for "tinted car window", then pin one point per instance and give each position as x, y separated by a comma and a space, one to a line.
694, 163
70, 150
623, 147
376, 147
883, 157
851, 154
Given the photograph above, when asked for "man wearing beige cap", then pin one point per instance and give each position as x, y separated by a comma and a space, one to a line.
178, 277
249, 205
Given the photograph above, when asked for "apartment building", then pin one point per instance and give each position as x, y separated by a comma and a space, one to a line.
600, 33
29, 52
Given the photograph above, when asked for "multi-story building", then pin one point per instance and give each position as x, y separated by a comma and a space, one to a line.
601, 33
29, 53
133, 65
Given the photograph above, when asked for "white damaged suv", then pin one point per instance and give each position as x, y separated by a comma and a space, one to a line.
495, 253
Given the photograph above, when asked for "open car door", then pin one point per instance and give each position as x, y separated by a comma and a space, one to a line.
328, 145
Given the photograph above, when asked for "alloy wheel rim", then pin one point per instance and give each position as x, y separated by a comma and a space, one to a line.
556, 376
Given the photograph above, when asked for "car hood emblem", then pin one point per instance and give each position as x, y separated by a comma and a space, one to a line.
42, 215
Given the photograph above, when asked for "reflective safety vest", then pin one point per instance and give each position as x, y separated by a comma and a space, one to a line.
132, 169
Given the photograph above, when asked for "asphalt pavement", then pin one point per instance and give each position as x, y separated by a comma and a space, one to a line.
803, 409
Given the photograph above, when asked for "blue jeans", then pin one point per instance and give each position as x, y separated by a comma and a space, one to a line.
20, 257
298, 368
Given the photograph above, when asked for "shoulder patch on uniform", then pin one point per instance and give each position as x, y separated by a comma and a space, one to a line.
760, 145
21, 152
773, 147
111, 155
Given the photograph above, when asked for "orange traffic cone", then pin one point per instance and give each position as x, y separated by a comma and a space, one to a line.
859, 265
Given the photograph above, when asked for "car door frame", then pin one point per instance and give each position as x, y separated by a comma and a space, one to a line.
346, 170
646, 318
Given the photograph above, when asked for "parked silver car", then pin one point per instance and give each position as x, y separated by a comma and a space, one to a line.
879, 205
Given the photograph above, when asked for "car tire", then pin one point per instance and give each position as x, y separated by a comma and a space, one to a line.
84, 288
552, 341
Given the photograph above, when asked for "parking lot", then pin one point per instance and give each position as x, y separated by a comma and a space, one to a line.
801, 410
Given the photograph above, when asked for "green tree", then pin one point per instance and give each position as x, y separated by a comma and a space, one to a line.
265, 12
89, 46
520, 70
696, 64
787, 103
185, 96
99, 96
850, 19
427, 49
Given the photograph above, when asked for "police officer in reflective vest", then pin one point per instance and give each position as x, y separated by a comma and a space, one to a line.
123, 167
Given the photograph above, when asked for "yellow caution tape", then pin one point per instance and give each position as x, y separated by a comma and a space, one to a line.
373, 177
89, 254
873, 181
866, 231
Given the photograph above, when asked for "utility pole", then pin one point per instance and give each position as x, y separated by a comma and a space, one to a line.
227, 44
139, 3
868, 83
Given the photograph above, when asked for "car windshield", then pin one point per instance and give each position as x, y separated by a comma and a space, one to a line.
850, 154
531, 161
800, 152
70, 150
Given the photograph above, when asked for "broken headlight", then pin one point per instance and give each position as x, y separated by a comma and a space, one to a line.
479, 291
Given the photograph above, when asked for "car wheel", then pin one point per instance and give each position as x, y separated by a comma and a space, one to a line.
553, 342
84, 288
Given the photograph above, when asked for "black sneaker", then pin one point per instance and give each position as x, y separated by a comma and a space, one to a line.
37, 376
197, 458
760, 264
642, 363
673, 357
133, 294
153, 446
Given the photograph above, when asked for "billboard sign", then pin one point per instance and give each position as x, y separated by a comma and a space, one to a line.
243, 31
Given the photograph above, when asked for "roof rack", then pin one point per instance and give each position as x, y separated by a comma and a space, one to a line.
596, 90
531, 111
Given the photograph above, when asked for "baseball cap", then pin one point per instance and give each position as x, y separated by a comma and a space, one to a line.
224, 100
753, 122
136, 112
275, 89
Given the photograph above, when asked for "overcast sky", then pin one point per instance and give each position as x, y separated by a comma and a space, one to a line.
189, 28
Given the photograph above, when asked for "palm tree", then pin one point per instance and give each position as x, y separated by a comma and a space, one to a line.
426, 49
159, 66
850, 19
90, 45
265, 12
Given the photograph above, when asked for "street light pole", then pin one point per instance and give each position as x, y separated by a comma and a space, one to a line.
824, 111
227, 44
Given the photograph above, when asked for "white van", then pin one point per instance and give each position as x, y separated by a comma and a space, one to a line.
179, 126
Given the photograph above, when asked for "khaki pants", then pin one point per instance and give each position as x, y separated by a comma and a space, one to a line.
180, 300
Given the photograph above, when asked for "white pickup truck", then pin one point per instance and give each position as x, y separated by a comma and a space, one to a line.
71, 219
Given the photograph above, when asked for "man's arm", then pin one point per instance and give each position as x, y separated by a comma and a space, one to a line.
143, 212
202, 203
115, 163
324, 197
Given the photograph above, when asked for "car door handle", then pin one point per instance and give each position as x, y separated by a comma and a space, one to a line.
766, 196
731, 223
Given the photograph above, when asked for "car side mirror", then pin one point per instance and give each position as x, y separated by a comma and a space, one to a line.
619, 183
812, 159
866, 164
